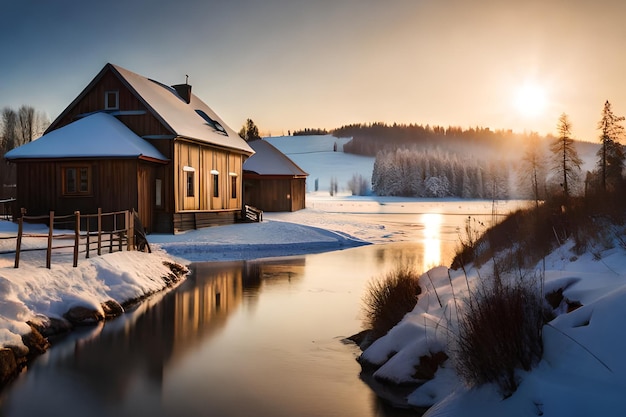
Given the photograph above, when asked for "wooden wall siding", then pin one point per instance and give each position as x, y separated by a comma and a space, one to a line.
204, 159
298, 194
146, 176
93, 101
194, 220
37, 188
114, 187
270, 194
166, 173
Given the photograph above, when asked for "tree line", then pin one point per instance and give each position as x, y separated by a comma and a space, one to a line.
437, 173
310, 131
369, 139
17, 127
547, 167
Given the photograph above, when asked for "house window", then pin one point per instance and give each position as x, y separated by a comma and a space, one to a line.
76, 180
158, 193
190, 183
111, 100
216, 183
233, 185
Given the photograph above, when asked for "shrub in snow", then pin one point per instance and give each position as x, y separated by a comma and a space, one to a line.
388, 298
499, 333
358, 185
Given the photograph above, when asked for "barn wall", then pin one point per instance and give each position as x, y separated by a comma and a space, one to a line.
298, 194
141, 124
114, 187
204, 159
275, 194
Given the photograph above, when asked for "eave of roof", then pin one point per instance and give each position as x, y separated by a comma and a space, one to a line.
268, 160
99, 135
176, 115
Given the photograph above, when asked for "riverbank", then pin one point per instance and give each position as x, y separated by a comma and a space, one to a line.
34, 292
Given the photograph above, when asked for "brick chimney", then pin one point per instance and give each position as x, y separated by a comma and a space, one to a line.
184, 91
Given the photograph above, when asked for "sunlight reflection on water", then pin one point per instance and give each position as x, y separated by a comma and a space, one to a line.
432, 239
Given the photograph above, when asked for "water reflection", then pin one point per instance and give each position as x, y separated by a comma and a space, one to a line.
432, 239
236, 339
241, 338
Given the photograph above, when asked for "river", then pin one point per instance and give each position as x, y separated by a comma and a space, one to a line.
245, 338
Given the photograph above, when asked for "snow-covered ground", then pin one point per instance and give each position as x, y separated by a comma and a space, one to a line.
582, 371
316, 155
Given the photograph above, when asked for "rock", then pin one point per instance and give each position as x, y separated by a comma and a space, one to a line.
112, 309
363, 339
35, 342
428, 365
8, 365
81, 316
178, 271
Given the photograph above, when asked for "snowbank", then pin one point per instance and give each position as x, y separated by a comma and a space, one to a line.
582, 372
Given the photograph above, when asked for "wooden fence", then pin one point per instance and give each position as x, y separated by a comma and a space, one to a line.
85, 230
253, 214
6, 205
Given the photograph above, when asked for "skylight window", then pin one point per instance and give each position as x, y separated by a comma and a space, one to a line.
214, 124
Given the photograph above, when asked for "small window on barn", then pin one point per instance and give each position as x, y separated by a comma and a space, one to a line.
76, 180
216, 183
233, 184
190, 178
111, 100
190, 183
158, 194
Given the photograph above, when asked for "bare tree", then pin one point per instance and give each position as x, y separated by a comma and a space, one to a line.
8, 135
565, 162
26, 119
533, 167
611, 153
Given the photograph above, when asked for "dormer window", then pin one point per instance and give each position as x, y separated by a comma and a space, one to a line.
111, 100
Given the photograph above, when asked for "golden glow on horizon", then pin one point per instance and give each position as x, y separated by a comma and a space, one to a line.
530, 99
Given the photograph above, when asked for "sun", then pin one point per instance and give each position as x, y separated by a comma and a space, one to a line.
530, 99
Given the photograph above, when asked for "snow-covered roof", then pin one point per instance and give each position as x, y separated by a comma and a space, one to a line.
268, 160
194, 120
99, 135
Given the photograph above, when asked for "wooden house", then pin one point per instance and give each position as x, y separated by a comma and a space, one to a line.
128, 141
272, 181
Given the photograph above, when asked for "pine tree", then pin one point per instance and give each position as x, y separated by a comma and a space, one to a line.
249, 131
611, 153
565, 160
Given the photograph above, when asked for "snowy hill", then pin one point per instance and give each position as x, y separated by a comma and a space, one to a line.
316, 155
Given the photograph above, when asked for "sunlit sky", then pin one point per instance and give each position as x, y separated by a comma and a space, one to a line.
292, 64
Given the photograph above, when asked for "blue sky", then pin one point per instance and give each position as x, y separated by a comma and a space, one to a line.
291, 64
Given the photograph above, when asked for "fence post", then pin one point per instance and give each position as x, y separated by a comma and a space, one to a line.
131, 230
18, 244
120, 236
88, 226
99, 231
50, 236
111, 232
76, 236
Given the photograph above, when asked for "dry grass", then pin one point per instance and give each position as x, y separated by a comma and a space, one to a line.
388, 298
500, 332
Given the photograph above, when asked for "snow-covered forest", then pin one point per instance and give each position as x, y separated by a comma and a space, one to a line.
416, 161
436, 173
